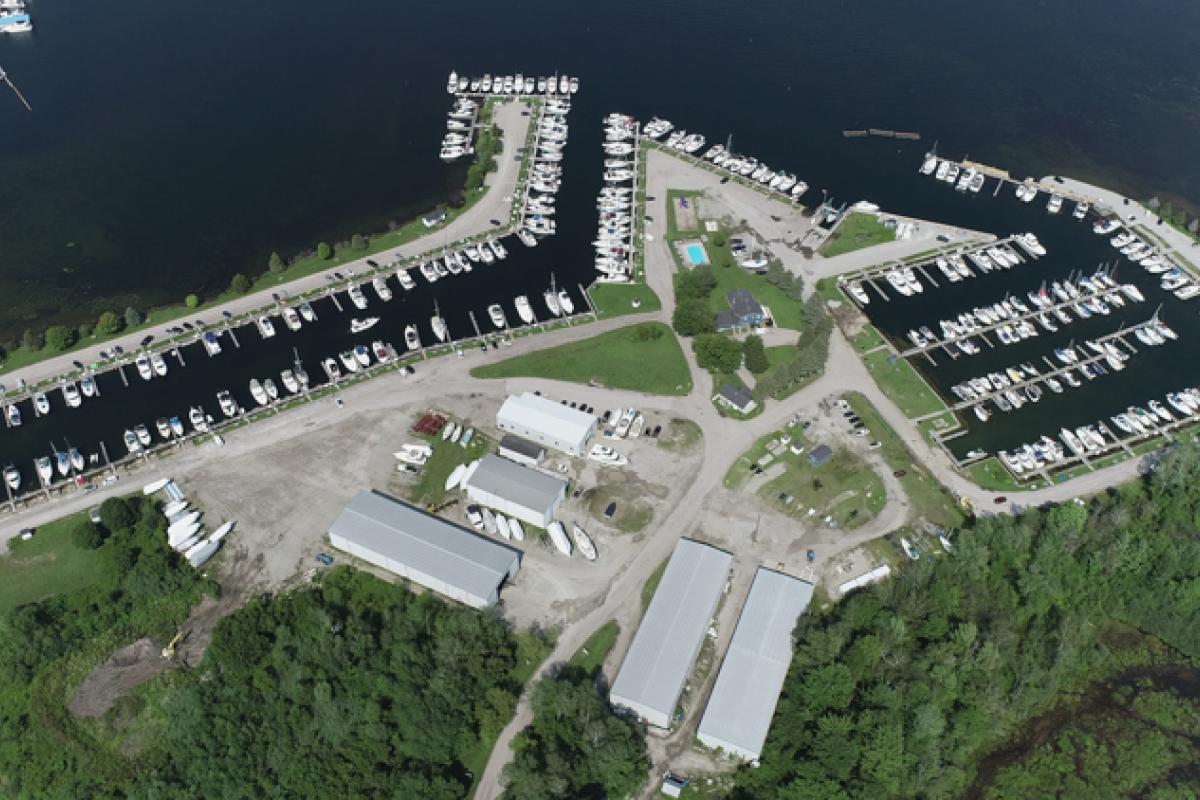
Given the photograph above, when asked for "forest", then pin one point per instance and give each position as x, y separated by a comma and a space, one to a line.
351, 688
905, 688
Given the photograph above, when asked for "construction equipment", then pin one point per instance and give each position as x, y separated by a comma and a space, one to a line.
436, 508
169, 650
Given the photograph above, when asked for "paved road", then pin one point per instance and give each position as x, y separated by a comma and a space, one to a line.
495, 204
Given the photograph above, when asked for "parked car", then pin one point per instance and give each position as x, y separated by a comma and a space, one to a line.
325, 559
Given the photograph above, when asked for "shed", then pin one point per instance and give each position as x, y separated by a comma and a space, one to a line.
742, 703
437, 554
819, 455
515, 490
669, 638
546, 422
434, 218
736, 397
522, 451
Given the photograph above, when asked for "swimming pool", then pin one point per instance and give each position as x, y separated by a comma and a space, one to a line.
696, 254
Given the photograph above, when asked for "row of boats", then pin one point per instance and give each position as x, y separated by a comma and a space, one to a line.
614, 243
1172, 277
545, 172
517, 84
955, 267
1013, 320
963, 180
460, 125
185, 529
1094, 439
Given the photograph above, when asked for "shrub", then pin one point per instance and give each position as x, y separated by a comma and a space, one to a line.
109, 323
239, 284
32, 341
717, 353
191, 301
60, 337
358, 242
133, 317
756, 355
692, 317
87, 536
324, 251
85, 330
118, 514
647, 333
274, 264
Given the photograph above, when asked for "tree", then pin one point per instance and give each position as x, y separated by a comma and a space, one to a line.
32, 340
755, 354
718, 239
85, 330
118, 514
692, 317
324, 251
358, 242
239, 284
697, 283
59, 337
87, 536
274, 263
133, 317
716, 352
109, 324
192, 300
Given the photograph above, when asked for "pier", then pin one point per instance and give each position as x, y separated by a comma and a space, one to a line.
870, 274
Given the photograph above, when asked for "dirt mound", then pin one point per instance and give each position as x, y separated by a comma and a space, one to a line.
128, 667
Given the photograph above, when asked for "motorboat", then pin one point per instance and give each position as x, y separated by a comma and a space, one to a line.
76, 458
45, 469
143, 434
291, 318
266, 327
455, 477
348, 360
552, 302
176, 426
406, 281
411, 339
87, 385
158, 364
271, 389
379, 283
198, 418
583, 542
498, 249
164, 427
497, 315
357, 297
502, 526
559, 537
143, 367
524, 310
14, 416
211, 343
71, 395
362, 355
438, 325
289, 381
258, 392
228, 405
331, 369
307, 312
12, 477
359, 325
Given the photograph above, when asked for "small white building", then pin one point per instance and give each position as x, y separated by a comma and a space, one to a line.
546, 422
516, 491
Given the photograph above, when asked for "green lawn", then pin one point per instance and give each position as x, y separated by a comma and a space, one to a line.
788, 313
855, 232
590, 657
990, 474
431, 486
828, 289
673, 231
46, 565
928, 498
902, 384
645, 358
633, 511
843, 488
867, 339
616, 299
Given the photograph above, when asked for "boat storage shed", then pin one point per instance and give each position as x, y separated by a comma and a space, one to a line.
743, 700
439, 555
517, 491
669, 638
522, 451
547, 422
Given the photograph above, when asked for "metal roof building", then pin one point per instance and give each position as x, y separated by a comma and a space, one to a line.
546, 422
451, 560
522, 451
742, 703
669, 638
517, 491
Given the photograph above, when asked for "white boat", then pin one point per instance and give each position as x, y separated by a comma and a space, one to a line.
87, 385
14, 416
565, 303
271, 389
514, 527
306, 311
173, 508
266, 327
258, 393
357, 297
143, 434
289, 381
164, 427
178, 538
559, 537
583, 542
227, 403
12, 476
71, 395
438, 325
455, 432
348, 360
182, 523
291, 318
411, 339
524, 310
381, 288
143, 367
502, 526
909, 550
198, 418
455, 477
155, 486
406, 281
359, 325
362, 355
158, 364
211, 343
331, 369
45, 469
489, 521
176, 426
497, 315
552, 302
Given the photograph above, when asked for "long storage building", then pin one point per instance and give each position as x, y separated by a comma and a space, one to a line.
437, 554
517, 491
546, 422
669, 638
743, 700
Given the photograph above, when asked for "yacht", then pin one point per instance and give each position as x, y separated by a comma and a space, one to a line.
143, 367
406, 281
41, 404
14, 416
176, 426
498, 249
258, 393
227, 403
552, 302
486, 255
158, 364
164, 427
348, 360
428, 271
438, 324
362, 355
265, 327
360, 325
929, 165
497, 315
331, 369
1081, 209
12, 476
87, 385
211, 343
524, 310
289, 381
306, 311
583, 542
291, 318
559, 537
143, 434
411, 339
63, 462
527, 238
357, 297
381, 288
1055, 204
46, 470
452, 83
15, 20
383, 352
71, 394
271, 389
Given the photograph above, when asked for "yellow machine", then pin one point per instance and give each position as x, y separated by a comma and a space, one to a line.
439, 507
169, 650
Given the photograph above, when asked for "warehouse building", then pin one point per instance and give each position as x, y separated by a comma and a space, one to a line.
522, 451
516, 491
743, 700
669, 638
439, 555
547, 422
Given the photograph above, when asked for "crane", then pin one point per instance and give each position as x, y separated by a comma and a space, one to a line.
169, 650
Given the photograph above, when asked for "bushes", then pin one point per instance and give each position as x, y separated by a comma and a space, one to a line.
32, 340
192, 301
117, 513
755, 355
692, 317
133, 317
239, 284
274, 264
324, 251
60, 338
109, 324
791, 284
358, 242
717, 353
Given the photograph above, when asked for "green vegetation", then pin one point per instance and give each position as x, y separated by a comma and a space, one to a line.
903, 689
843, 488
855, 232
680, 435
49, 564
575, 746
617, 299
590, 658
867, 339
430, 488
717, 352
651, 585
808, 357
928, 498
990, 474
755, 354
645, 357
487, 147
673, 229
903, 385
633, 513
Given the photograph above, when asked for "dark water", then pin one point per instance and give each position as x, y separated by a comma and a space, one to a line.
168, 151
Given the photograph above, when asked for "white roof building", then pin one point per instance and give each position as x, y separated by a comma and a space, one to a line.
516, 491
547, 422
669, 638
743, 700
451, 560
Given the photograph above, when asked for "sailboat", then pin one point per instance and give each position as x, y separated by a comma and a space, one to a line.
565, 302
583, 542
438, 324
